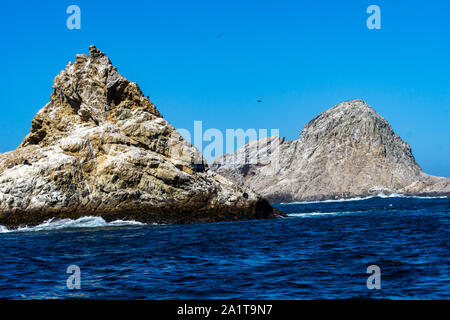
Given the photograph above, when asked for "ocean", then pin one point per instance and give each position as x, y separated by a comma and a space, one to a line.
320, 251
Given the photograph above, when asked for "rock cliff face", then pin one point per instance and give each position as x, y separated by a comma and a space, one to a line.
346, 151
99, 147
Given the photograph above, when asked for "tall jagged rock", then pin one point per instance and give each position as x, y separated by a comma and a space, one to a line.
346, 151
99, 147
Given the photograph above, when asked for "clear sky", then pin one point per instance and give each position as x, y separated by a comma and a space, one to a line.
212, 60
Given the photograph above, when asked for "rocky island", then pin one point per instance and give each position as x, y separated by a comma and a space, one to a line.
347, 151
101, 148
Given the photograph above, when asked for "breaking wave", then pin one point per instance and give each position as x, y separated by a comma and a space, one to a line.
83, 222
313, 214
320, 214
380, 195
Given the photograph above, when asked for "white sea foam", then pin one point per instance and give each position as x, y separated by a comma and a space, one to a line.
83, 222
380, 195
329, 200
313, 214
320, 214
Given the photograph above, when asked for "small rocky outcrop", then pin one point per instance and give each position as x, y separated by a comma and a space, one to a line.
100, 147
346, 151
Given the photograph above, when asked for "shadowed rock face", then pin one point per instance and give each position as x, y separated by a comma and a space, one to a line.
99, 147
346, 151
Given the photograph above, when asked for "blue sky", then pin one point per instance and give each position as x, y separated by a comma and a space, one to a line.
299, 57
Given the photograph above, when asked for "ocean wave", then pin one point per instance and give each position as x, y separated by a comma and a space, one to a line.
83, 222
320, 214
313, 214
380, 195
329, 200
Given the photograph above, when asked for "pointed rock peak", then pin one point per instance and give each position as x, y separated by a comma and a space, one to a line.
99, 147
95, 58
89, 92
94, 52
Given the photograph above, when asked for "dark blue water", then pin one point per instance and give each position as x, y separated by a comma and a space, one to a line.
321, 251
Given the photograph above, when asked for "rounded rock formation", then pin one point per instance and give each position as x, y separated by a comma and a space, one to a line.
347, 151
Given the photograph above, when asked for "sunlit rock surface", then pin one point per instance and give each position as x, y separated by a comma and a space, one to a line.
100, 147
346, 151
